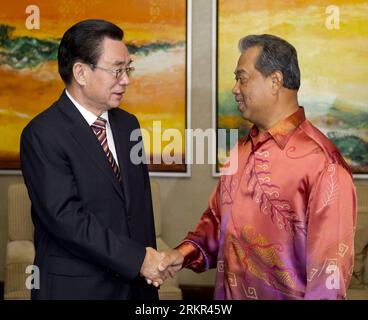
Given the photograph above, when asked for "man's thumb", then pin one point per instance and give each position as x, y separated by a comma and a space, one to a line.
164, 263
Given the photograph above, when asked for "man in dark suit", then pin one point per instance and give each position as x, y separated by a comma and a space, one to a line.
91, 205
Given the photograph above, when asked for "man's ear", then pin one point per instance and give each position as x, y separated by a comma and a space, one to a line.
80, 73
277, 81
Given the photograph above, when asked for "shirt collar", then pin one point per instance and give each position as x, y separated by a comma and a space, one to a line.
283, 130
87, 115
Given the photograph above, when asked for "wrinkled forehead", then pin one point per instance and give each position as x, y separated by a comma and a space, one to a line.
114, 52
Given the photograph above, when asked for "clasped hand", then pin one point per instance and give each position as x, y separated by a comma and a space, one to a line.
157, 266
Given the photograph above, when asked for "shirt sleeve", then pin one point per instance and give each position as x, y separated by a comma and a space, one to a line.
200, 247
332, 214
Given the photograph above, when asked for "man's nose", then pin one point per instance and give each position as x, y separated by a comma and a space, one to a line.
235, 90
124, 80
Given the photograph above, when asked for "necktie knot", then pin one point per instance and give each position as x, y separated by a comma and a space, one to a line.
99, 128
99, 124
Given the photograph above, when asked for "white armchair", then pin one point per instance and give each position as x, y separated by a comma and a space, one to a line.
20, 248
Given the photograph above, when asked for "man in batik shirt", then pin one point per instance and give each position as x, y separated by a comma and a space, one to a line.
282, 226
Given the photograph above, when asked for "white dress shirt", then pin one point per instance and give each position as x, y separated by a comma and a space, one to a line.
91, 118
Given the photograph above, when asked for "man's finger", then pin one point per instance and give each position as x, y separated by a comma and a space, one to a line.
172, 273
164, 263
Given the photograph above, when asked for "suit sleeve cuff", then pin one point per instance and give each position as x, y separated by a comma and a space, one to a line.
194, 258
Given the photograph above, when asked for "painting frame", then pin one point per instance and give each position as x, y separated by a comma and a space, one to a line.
215, 90
188, 91
187, 98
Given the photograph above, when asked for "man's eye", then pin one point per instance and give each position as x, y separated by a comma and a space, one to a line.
241, 79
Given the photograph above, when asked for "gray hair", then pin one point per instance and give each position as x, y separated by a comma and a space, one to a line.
276, 55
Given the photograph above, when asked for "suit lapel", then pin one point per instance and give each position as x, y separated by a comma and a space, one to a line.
86, 139
121, 136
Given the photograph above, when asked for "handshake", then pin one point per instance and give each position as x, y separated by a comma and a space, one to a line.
157, 266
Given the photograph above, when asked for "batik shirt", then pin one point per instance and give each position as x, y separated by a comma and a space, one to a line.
282, 226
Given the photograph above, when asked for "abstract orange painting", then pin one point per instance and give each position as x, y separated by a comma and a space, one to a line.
156, 36
331, 39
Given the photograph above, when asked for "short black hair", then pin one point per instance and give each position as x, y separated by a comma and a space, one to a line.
82, 42
276, 55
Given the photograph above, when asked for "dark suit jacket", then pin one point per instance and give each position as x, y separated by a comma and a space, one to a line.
90, 230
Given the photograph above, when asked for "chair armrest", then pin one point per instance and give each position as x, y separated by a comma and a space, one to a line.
19, 255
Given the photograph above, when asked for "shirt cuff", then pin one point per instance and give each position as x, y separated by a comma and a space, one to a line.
193, 256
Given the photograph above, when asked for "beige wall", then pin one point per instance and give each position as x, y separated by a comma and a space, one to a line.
183, 199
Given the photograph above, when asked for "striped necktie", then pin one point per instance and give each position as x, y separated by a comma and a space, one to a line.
99, 128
